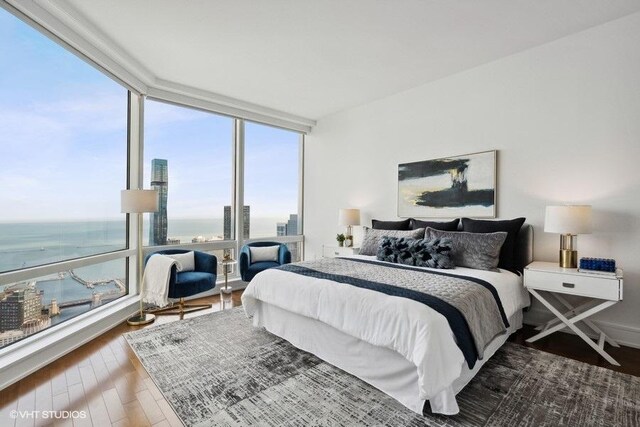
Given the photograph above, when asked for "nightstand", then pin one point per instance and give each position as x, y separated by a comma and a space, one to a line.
603, 291
335, 251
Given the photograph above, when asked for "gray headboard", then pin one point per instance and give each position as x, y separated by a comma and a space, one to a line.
524, 247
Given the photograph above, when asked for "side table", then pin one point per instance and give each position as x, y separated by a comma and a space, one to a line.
603, 292
226, 263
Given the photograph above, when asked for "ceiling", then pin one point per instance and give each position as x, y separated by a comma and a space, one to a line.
314, 58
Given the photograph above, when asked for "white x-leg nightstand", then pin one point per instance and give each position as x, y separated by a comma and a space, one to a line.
604, 292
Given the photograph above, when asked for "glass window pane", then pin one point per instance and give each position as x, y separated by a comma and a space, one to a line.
271, 176
188, 158
296, 251
63, 151
34, 305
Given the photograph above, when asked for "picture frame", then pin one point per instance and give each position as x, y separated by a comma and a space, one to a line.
449, 187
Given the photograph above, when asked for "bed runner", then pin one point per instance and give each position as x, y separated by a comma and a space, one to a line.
471, 305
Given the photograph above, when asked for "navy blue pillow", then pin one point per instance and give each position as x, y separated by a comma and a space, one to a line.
433, 253
391, 225
437, 225
512, 227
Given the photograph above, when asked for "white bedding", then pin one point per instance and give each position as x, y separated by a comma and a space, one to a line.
416, 332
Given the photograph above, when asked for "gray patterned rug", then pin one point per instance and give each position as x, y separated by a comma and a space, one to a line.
217, 370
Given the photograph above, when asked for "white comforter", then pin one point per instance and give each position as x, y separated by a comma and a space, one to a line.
414, 330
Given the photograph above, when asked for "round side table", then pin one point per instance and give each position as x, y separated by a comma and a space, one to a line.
226, 263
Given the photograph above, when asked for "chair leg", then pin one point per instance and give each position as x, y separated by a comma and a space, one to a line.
180, 309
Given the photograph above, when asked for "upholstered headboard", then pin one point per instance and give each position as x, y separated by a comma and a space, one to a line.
524, 243
524, 247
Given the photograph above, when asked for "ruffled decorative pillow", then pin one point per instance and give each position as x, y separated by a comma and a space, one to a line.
432, 253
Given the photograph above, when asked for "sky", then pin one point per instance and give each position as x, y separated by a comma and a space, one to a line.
63, 130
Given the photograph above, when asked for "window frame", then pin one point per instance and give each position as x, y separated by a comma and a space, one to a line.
237, 191
39, 349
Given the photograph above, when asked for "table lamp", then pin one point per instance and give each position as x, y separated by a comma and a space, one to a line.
138, 202
569, 221
349, 217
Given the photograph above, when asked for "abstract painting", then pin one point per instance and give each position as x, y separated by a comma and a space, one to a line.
450, 187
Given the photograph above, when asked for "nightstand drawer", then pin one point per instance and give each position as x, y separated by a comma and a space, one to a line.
595, 287
336, 251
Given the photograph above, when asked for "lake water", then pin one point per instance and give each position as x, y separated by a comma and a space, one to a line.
24, 245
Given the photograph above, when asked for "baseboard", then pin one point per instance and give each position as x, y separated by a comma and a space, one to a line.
625, 335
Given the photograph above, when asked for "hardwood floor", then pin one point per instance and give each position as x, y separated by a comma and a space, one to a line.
572, 347
104, 379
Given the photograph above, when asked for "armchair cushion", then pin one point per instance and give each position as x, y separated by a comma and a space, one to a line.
191, 283
186, 261
264, 253
262, 265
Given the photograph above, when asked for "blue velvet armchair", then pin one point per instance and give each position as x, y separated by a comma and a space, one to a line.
187, 283
248, 269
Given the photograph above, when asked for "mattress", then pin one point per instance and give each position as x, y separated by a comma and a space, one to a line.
372, 335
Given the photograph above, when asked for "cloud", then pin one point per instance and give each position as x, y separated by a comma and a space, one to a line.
55, 155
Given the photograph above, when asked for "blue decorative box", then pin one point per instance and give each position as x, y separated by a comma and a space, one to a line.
598, 264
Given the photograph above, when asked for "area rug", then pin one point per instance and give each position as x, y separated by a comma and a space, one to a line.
218, 370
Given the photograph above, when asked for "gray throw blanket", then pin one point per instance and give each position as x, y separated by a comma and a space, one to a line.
476, 300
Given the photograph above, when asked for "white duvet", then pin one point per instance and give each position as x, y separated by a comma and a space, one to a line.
417, 332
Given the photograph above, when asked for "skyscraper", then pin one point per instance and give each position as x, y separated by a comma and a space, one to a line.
158, 220
292, 225
246, 217
227, 223
292, 230
281, 229
23, 303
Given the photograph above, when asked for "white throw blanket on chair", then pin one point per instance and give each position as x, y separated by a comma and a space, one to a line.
156, 278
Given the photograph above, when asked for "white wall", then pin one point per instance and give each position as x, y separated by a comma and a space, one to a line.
565, 118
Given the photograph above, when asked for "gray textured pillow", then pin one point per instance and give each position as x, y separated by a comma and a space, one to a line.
473, 250
373, 238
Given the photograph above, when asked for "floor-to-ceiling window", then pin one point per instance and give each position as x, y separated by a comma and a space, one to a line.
63, 162
188, 158
272, 183
192, 158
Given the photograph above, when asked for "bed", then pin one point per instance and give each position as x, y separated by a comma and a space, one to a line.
411, 351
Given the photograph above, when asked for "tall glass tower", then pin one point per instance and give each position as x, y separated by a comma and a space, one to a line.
292, 225
160, 182
246, 217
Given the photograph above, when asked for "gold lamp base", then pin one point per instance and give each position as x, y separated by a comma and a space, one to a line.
141, 319
568, 258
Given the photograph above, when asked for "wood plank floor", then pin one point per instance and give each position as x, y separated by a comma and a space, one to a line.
105, 379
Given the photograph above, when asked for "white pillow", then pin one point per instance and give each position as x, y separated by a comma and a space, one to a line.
186, 261
264, 253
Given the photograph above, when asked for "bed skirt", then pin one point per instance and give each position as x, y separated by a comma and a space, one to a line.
383, 368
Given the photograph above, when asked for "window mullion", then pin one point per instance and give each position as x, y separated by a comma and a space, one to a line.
238, 191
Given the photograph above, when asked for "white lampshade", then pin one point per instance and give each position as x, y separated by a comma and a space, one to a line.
349, 217
138, 201
570, 219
